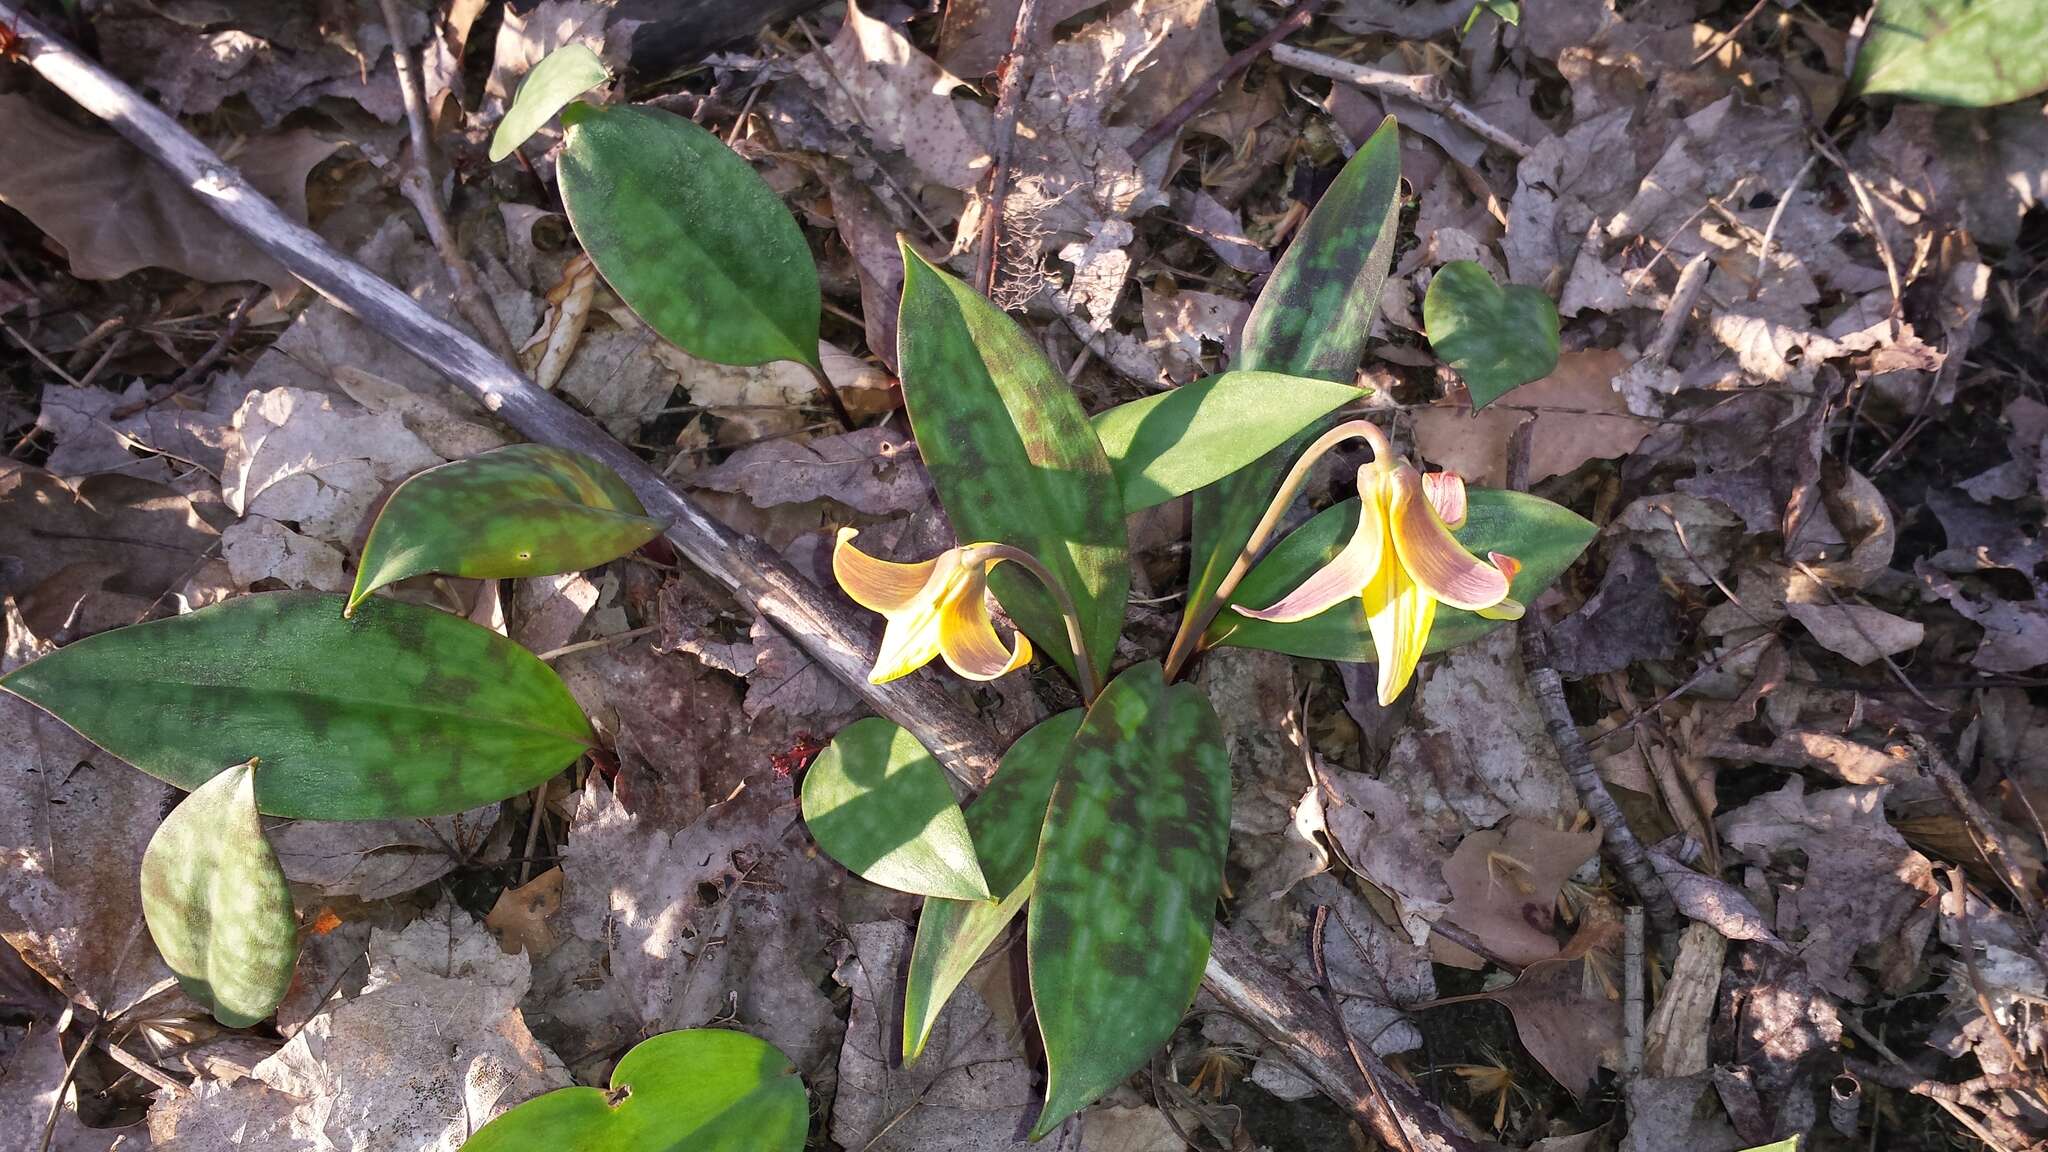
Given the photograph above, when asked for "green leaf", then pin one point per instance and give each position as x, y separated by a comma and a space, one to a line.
217, 904
1013, 457
1508, 11
1974, 53
401, 711
1545, 537
1788, 1144
1130, 865
698, 1090
1178, 441
878, 803
687, 234
521, 510
562, 76
952, 934
1311, 319
1497, 338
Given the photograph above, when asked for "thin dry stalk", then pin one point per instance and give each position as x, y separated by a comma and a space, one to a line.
1016, 80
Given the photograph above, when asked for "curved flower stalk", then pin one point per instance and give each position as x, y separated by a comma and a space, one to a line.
1402, 561
939, 608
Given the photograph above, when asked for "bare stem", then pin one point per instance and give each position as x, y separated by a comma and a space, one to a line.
1084, 668
832, 396
1198, 616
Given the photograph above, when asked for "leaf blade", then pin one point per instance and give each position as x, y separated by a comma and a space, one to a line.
700, 1089
1313, 318
689, 236
1013, 457
561, 76
520, 510
1144, 798
1171, 443
400, 711
1497, 337
217, 904
878, 803
1545, 537
1972, 53
1004, 820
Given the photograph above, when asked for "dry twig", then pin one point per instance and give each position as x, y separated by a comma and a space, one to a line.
1424, 89
1171, 123
1016, 80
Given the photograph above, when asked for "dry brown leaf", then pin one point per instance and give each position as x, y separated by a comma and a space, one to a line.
316, 460
30, 1071
1675, 1038
872, 75
1579, 417
874, 470
1504, 886
373, 859
520, 917
114, 210
1858, 632
974, 34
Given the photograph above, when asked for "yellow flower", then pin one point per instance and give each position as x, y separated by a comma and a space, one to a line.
935, 607
1402, 561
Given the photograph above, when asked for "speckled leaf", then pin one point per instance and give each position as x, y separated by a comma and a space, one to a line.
1974, 53
1005, 819
1311, 319
1498, 338
1013, 457
1545, 537
1174, 442
698, 1090
561, 76
401, 711
217, 903
521, 510
1130, 864
878, 803
689, 236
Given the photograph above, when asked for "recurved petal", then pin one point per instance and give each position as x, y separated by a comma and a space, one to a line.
1399, 613
968, 640
1347, 573
1432, 555
1508, 609
1446, 492
909, 642
877, 585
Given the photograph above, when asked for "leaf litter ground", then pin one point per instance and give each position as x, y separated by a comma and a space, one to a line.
1820, 485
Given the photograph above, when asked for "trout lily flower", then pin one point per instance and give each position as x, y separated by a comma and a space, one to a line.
936, 607
1403, 561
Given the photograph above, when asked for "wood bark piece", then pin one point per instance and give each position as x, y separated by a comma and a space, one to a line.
1287, 1015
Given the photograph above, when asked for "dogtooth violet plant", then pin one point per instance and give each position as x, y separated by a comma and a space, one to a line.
1105, 825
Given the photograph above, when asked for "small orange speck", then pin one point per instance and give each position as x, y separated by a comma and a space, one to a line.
324, 921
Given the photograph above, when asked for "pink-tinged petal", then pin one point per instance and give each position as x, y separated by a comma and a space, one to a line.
1446, 492
877, 585
1508, 565
1399, 612
968, 639
1347, 573
1432, 555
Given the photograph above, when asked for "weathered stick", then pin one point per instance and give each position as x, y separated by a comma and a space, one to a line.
1171, 123
1426, 90
1010, 89
1286, 1014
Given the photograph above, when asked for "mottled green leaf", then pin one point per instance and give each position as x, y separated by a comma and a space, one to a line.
698, 1090
878, 803
561, 76
1130, 864
217, 903
952, 934
1545, 537
401, 711
1498, 338
1013, 457
689, 236
1974, 53
1178, 441
1311, 319
1508, 11
521, 510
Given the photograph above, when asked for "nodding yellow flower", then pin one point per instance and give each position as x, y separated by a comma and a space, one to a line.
935, 607
1402, 561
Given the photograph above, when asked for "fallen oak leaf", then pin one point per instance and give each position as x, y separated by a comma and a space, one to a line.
1578, 414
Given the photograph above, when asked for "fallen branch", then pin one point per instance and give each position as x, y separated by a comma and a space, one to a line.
1284, 1013
1990, 845
1010, 89
1424, 89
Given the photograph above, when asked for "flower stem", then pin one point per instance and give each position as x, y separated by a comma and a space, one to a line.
1084, 668
1199, 616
